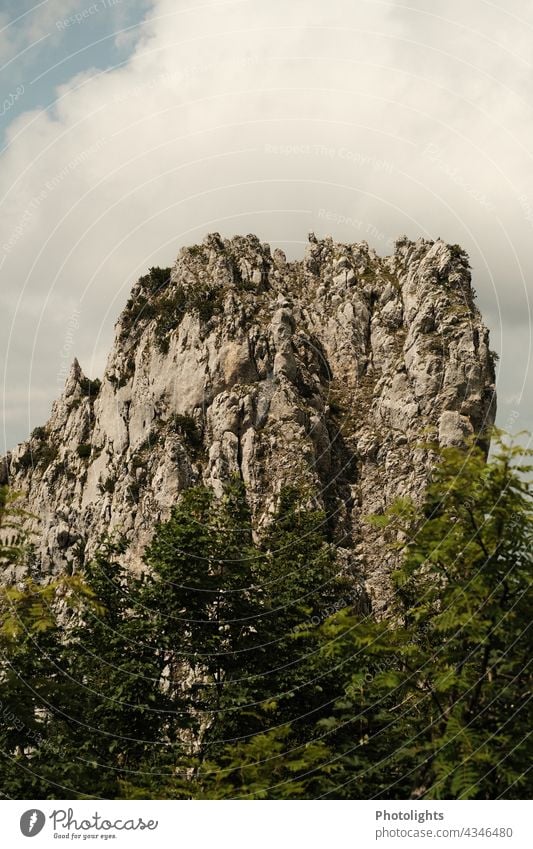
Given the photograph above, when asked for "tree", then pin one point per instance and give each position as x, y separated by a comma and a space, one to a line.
135, 680
30, 656
445, 694
435, 701
464, 593
227, 610
302, 582
111, 716
200, 599
81, 701
219, 672
14, 536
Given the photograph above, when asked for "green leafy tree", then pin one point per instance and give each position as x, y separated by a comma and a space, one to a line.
201, 603
81, 699
219, 673
111, 717
464, 593
437, 698
28, 647
31, 649
435, 701
28, 676
14, 536
228, 610
302, 583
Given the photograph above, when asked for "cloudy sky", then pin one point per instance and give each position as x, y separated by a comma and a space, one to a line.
131, 127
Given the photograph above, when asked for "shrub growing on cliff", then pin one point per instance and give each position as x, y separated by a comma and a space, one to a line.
89, 387
167, 304
156, 279
44, 454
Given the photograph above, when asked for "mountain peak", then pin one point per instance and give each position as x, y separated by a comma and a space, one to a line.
328, 372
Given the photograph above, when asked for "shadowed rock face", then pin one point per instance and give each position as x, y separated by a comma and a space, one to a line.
331, 372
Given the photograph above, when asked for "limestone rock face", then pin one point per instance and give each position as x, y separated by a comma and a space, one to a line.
333, 373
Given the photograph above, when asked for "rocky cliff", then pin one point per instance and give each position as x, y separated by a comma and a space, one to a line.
331, 372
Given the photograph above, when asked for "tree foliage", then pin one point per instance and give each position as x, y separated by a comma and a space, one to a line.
436, 701
219, 673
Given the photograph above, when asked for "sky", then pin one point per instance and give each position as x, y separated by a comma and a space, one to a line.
129, 128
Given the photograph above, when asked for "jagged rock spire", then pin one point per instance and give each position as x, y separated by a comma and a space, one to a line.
74, 378
329, 373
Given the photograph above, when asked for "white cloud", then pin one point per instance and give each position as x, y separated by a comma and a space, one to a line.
366, 120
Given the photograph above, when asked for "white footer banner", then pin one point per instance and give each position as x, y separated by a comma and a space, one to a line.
276, 825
